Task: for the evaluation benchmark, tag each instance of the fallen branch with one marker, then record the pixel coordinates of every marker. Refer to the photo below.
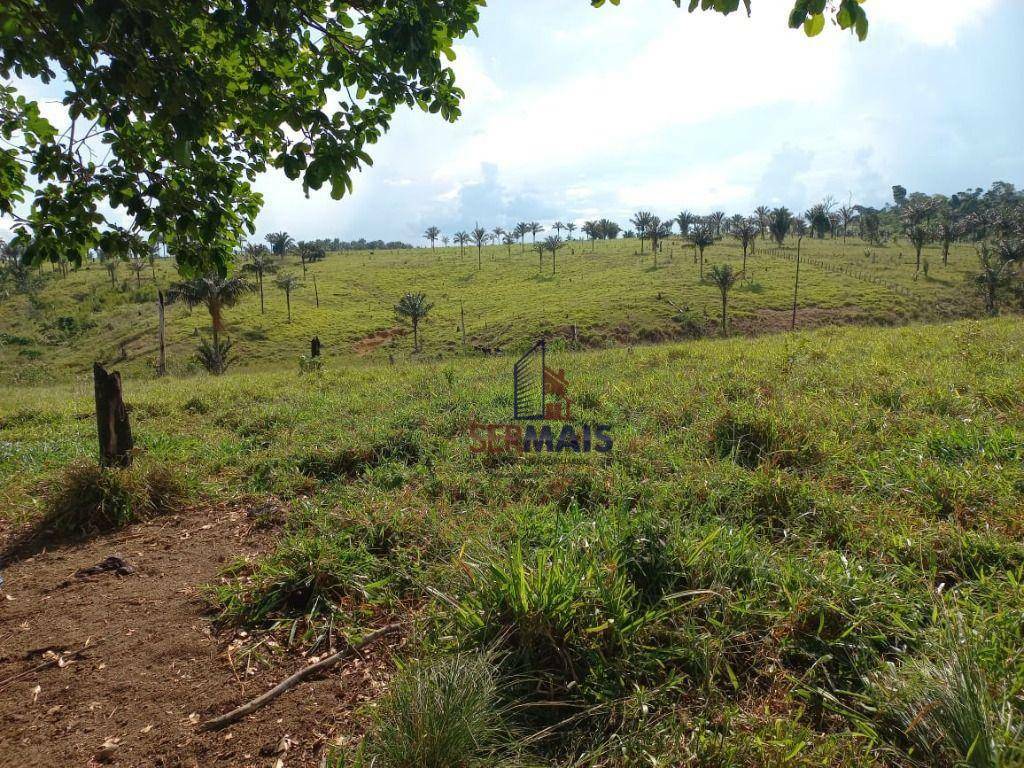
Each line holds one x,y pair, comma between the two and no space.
262,700
56,658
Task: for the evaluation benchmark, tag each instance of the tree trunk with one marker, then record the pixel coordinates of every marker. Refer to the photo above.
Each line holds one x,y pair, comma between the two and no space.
796,284
462,316
288,301
161,366
259,275
725,326
316,293
415,336
314,347
112,426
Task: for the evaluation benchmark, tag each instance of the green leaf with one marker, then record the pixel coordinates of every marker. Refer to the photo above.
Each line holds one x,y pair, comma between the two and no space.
814,25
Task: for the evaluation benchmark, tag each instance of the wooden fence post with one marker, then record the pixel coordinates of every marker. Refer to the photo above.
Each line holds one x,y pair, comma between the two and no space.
161,366
112,426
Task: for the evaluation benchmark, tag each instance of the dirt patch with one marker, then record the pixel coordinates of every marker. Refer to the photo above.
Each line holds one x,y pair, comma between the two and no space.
775,320
147,663
378,339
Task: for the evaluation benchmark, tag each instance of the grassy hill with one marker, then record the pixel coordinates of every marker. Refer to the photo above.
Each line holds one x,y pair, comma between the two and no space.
799,544
598,296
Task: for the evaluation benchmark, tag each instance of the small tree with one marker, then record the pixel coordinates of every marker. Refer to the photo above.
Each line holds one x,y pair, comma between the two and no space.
535,229
509,240
745,233
641,221
138,266
551,245
287,283
414,307
217,293
656,231
280,243
570,228
259,262
541,250
432,234
461,240
479,239
722,275
915,217
779,224
995,275
701,236
763,215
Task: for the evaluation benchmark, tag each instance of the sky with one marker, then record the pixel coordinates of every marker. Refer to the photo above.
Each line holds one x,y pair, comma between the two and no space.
575,113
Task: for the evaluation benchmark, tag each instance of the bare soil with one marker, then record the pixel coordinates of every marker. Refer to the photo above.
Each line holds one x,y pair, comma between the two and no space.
378,339
88,659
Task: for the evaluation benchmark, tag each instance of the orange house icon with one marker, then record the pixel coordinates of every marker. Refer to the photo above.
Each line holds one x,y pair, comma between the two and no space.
556,385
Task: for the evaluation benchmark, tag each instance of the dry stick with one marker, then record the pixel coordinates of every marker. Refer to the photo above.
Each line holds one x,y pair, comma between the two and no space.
48,663
238,713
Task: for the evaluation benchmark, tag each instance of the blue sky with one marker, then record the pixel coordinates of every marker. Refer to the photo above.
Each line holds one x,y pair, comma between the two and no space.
574,113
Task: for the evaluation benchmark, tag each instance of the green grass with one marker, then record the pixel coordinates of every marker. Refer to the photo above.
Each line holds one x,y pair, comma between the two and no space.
600,295
761,573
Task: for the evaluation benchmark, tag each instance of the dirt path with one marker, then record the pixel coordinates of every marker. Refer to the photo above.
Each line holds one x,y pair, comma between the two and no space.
150,663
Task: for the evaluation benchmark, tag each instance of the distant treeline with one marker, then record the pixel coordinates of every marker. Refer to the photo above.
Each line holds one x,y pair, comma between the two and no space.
337,244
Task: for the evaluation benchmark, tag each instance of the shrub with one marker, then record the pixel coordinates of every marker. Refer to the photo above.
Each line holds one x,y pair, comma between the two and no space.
566,618
441,713
215,357
309,364
88,498
306,579
943,710
752,439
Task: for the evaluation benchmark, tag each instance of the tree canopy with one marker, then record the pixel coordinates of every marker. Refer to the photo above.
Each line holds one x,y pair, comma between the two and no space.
176,106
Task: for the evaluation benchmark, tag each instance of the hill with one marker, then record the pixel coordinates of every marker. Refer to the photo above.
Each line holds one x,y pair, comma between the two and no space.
781,561
600,294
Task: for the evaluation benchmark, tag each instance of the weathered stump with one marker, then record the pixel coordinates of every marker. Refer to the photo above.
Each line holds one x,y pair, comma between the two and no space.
112,426
314,347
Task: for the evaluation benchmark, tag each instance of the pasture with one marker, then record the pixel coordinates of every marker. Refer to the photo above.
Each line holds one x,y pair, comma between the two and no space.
600,294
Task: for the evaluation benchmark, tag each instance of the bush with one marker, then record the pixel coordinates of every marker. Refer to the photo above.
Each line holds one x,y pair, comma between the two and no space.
89,498
943,711
215,358
441,713
306,579
753,439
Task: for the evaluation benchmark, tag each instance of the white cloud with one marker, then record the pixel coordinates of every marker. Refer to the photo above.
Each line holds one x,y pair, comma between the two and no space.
930,22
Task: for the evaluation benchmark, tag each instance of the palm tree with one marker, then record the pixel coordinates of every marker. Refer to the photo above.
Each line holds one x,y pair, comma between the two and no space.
947,232
589,229
656,230
445,240
497,234
217,293
685,220
479,239
308,253
763,215
535,229
915,218
461,240
259,262
570,227
702,236
745,233
994,275
558,227
846,214
817,218
779,223
552,244
509,240
280,243
415,307
520,232
432,234
723,277
287,283
716,220
642,221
